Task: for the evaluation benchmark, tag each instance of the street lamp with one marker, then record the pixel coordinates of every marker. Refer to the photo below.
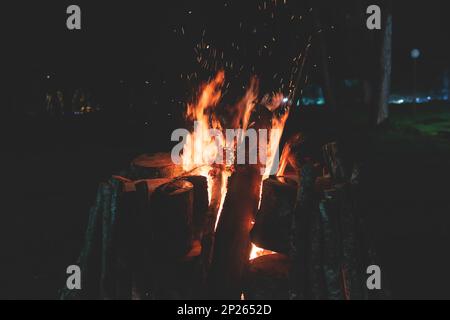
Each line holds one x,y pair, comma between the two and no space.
415,55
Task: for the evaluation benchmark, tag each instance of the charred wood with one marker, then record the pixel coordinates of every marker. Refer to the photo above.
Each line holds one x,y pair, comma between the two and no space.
232,244
274,218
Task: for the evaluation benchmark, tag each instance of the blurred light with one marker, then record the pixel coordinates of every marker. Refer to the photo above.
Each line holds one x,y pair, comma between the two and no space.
415,53
285,100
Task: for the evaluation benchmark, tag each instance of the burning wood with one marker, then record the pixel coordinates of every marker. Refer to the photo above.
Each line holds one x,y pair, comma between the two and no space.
193,227
274,218
233,245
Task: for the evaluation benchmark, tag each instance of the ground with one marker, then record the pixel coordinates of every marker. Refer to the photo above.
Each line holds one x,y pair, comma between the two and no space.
409,208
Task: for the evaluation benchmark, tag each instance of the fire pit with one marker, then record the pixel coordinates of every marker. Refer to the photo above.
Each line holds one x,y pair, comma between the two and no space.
185,225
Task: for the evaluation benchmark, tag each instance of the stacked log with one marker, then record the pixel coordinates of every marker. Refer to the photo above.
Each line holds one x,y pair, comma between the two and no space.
232,244
209,226
274,218
300,241
334,162
156,239
267,278
200,205
171,212
159,165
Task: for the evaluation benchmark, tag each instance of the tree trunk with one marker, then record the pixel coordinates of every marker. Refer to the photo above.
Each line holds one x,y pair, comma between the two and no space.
330,98
380,104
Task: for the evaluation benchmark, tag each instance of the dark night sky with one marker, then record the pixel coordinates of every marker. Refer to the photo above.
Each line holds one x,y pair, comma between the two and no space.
143,40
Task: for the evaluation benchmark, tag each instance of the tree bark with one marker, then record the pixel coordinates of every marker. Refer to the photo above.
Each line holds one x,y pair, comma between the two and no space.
382,78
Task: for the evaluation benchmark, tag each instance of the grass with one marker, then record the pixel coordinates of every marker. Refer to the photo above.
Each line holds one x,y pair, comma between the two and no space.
430,123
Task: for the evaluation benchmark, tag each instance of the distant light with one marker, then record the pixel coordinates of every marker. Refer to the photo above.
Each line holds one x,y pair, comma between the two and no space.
398,101
415,53
285,100
48,76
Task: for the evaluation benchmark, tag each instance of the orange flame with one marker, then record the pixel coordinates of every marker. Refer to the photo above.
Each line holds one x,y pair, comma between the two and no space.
284,160
201,150
276,131
286,155
278,123
259,252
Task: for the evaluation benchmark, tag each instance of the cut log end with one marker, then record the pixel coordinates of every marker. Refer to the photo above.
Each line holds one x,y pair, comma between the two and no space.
155,166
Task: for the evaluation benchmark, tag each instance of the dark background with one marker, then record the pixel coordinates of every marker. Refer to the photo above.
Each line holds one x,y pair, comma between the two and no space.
51,167
130,43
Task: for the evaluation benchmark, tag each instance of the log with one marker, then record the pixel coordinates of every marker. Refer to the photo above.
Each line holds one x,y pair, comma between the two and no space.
332,248
159,165
334,162
172,208
274,218
267,278
90,256
317,289
142,235
209,227
201,204
300,238
232,244
162,236
354,250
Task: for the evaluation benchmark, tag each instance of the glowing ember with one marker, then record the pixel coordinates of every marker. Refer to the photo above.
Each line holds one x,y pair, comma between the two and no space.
259,252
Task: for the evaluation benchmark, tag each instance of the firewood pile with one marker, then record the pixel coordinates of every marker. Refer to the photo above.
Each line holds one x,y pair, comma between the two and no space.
152,233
